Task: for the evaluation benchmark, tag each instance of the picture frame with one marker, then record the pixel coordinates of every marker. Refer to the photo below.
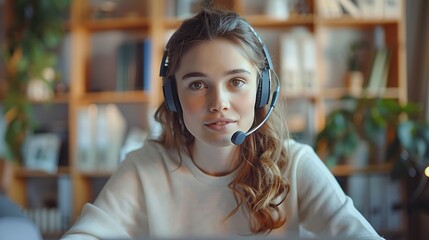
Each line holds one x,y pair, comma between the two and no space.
41,152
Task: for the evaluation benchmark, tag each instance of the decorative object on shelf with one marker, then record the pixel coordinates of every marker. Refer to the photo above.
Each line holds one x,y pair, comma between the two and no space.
277,9
300,7
42,90
105,9
41,152
361,119
187,8
34,29
101,131
355,75
298,61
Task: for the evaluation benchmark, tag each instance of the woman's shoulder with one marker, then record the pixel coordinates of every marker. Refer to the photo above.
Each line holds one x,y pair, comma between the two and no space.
150,148
151,153
294,148
301,156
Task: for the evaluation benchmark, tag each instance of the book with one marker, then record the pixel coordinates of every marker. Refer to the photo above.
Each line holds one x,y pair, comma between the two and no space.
86,155
64,201
289,64
100,135
392,8
121,67
351,8
377,80
334,8
134,65
111,127
147,64
371,8
126,66
308,60
298,61
329,8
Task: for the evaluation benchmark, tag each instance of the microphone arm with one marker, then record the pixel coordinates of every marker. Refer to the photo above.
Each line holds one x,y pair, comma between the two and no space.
239,136
273,103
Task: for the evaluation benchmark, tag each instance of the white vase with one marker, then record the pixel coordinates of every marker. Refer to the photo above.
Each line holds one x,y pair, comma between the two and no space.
277,9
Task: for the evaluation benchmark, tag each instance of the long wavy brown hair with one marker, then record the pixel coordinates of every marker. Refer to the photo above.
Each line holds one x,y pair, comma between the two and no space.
260,186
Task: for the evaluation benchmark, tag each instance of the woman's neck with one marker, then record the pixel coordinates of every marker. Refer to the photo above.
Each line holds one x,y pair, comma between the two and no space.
215,161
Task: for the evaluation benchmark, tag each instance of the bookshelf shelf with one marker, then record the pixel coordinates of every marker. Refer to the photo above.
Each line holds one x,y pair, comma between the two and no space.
117,24
260,21
336,93
355,22
347,170
22,172
116,97
57,99
172,23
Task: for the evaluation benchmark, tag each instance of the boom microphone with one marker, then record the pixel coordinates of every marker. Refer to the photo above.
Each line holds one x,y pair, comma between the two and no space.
239,136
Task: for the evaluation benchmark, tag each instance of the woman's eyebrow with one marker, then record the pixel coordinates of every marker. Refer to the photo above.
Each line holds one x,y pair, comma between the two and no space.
193,74
237,71
227,73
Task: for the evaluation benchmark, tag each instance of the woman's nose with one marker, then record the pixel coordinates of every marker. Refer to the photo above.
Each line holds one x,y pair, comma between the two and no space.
218,100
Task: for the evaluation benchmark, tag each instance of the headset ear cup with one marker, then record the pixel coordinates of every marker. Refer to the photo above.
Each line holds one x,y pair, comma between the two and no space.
170,95
263,94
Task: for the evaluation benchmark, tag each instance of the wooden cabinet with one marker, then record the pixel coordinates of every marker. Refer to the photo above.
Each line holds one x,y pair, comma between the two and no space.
96,31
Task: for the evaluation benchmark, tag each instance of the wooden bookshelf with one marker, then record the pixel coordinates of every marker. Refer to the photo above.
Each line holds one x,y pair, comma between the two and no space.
154,24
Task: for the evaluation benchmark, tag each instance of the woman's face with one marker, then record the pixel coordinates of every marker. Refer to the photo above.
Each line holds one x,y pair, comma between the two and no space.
217,86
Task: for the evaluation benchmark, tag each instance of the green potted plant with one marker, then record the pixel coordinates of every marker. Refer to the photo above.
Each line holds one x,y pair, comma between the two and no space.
339,138
369,120
33,30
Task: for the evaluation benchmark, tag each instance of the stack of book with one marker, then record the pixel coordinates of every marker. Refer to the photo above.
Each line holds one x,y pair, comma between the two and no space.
360,8
133,66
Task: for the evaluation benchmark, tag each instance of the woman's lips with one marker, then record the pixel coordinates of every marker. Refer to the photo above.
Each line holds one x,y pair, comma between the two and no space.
220,124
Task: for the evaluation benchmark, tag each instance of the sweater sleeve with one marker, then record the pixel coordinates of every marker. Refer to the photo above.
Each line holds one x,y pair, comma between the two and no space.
117,211
324,209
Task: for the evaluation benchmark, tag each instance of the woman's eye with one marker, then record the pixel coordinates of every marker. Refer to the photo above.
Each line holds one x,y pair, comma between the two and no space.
196,85
237,82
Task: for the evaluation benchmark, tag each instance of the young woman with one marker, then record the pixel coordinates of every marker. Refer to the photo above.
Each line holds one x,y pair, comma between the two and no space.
223,166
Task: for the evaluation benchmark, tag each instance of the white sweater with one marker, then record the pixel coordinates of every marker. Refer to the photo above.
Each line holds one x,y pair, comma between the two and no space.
151,196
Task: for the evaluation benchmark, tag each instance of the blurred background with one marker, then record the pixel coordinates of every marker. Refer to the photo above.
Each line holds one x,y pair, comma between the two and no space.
79,86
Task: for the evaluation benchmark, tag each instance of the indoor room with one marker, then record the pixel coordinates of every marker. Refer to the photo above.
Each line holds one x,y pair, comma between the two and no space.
82,82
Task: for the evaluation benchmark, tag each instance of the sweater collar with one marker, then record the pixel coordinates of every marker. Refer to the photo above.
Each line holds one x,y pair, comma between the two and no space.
206,178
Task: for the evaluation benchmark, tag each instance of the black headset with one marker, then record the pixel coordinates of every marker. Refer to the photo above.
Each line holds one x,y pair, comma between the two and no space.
169,88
